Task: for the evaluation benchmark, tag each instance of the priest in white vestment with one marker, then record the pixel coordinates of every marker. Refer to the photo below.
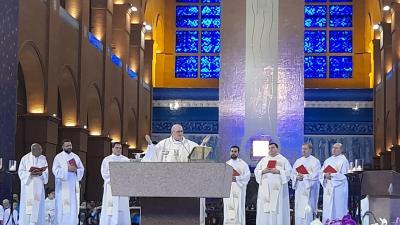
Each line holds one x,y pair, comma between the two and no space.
34,174
234,206
176,148
272,174
115,209
305,180
334,182
68,171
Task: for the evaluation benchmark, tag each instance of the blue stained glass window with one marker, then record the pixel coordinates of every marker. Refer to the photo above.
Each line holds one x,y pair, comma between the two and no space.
116,60
315,67
314,41
341,0
340,66
95,42
341,41
341,16
187,0
210,67
210,16
315,0
315,16
187,16
186,66
210,1
187,41
210,41
131,73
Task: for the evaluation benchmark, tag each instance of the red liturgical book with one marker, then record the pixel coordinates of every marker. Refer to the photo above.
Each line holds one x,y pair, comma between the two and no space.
72,162
329,169
235,173
37,169
302,170
271,164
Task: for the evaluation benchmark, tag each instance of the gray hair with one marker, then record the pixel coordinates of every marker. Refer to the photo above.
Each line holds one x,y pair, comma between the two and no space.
339,144
173,128
35,145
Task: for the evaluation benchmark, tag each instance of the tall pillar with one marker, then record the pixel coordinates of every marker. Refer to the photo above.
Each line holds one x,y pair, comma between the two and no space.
43,129
99,147
395,150
265,67
379,110
145,101
8,85
136,62
386,74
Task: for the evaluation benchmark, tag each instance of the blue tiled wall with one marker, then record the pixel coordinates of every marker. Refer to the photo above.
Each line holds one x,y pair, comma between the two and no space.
323,126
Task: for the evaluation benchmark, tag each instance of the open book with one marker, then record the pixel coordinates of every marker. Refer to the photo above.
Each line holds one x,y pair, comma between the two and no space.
199,153
37,169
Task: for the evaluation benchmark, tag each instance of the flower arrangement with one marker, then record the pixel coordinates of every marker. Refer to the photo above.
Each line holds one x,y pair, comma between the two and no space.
346,220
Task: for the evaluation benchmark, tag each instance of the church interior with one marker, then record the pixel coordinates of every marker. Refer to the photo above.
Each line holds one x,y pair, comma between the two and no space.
291,72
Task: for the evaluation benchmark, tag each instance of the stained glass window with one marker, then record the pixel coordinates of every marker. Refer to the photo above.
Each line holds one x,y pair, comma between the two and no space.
340,66
187,41
187,16
328,39
198,39
210,41
211,1
314,41
210,16
186,66
315,16
340,16
341,41
315,66
209,67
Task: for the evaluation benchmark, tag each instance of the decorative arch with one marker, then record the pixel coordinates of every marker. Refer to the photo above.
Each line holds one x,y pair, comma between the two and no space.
68,97
115,120
33,72
94,110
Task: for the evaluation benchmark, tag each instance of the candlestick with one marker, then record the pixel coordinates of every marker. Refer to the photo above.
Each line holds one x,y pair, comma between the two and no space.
12,165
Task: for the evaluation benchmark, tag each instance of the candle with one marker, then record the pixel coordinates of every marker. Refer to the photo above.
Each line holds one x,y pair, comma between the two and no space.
12,165
359,168
1,163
